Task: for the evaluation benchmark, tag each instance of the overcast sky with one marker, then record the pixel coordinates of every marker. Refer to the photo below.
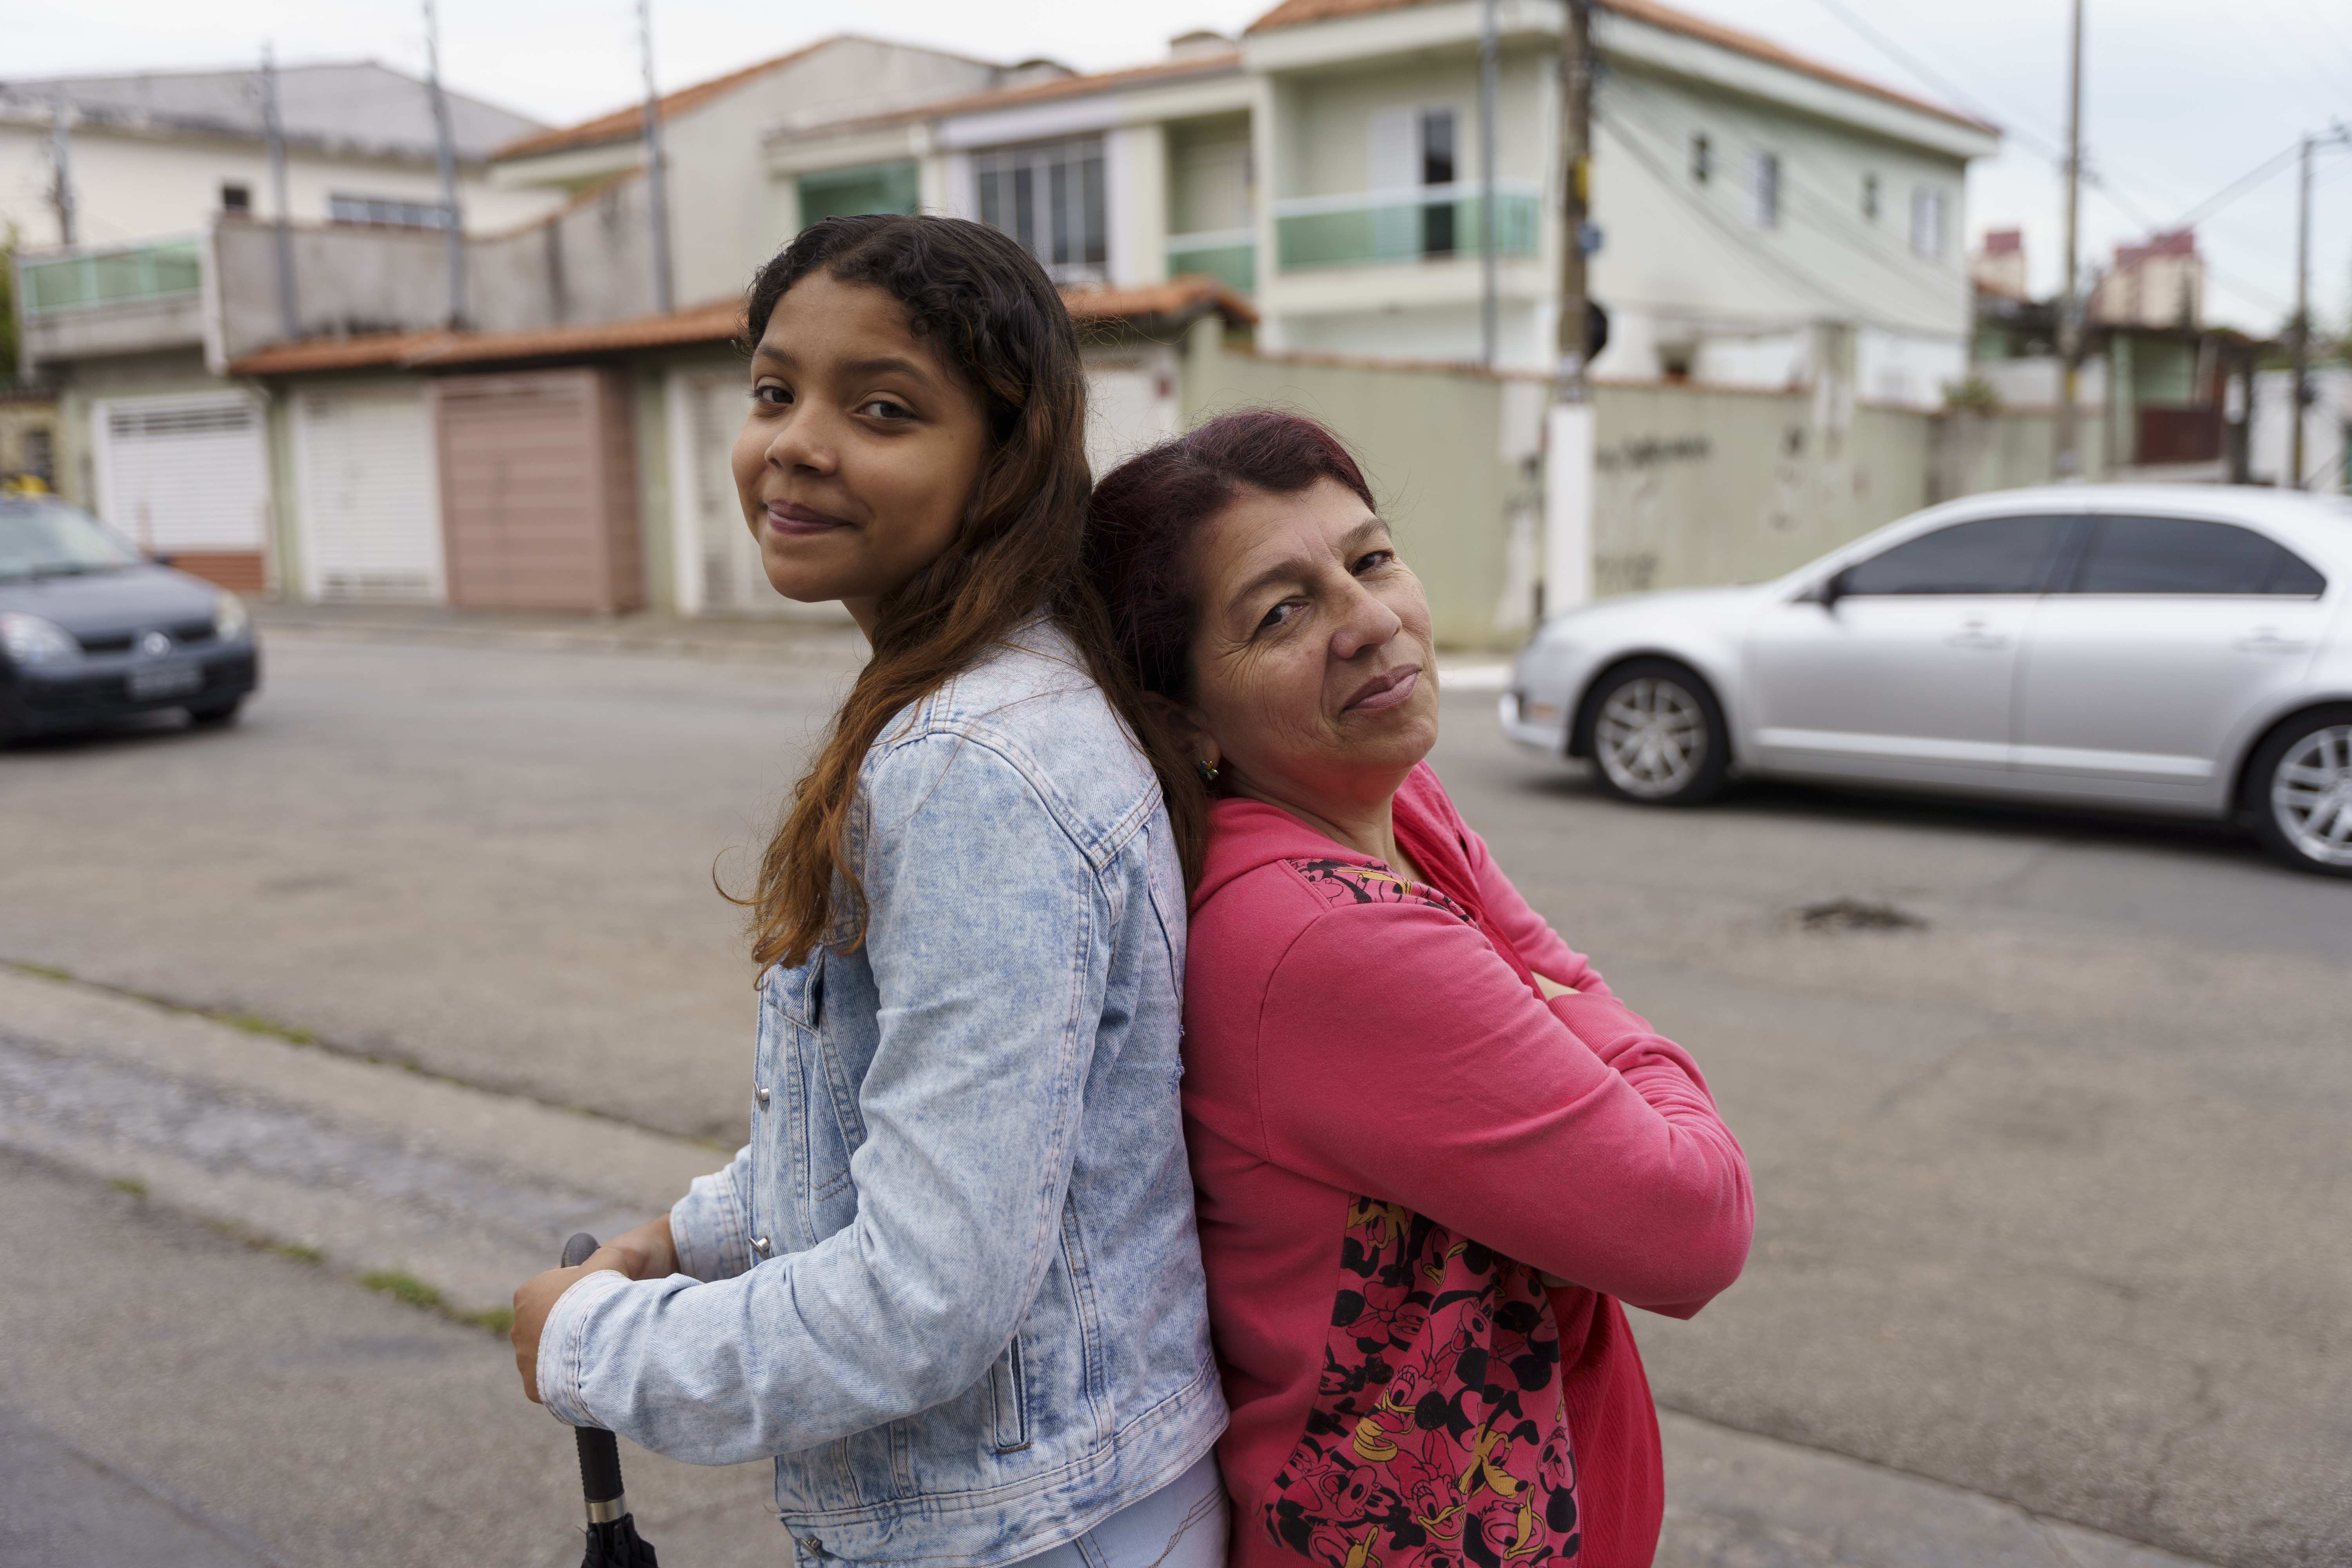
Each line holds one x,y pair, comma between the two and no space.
2182,96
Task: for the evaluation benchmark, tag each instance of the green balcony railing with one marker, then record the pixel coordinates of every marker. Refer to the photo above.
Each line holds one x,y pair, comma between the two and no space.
1230,255
158,270
1387,227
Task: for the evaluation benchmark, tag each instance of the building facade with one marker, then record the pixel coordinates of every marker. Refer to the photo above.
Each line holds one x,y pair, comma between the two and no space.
1329,164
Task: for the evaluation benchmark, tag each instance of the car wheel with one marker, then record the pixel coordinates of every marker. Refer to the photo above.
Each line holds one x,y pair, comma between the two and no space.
2300,789
215,713
1656,735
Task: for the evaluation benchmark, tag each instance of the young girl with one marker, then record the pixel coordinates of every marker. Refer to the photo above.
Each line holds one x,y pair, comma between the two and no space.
951,1284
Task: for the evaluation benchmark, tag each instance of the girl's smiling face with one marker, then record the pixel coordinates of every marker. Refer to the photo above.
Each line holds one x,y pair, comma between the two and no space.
861,449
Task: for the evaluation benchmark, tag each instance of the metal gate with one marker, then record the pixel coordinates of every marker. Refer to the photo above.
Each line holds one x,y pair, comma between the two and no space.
370,497
187,477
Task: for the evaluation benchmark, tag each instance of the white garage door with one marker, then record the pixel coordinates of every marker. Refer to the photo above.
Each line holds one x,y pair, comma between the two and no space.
183,474
370,494
717,561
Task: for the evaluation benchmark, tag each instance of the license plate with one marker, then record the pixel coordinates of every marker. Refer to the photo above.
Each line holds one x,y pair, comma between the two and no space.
169,682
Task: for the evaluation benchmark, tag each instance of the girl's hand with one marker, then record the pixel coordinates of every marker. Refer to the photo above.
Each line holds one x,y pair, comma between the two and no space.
649,1252
1544,983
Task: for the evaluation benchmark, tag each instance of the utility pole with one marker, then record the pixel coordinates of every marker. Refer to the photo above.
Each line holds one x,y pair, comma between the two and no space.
1568,432
455,231
289,317
2068,436
1489,302
656,176
61,193
2301,400
2339,134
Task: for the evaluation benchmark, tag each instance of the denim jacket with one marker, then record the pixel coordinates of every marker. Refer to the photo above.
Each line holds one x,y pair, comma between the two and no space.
952,1282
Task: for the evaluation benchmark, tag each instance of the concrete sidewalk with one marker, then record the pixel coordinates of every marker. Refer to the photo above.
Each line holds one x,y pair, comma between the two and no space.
123,1120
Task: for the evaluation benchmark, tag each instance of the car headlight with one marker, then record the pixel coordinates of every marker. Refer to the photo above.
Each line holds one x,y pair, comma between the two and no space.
29,639
229,618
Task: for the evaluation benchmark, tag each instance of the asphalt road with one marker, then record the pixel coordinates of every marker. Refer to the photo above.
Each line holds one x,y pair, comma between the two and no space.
2052,1182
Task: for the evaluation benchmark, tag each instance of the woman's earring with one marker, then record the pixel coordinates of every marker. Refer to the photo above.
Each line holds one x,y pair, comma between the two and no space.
1208,772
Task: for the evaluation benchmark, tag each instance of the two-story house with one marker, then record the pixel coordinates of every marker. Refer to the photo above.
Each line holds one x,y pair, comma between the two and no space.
1329,164
113,325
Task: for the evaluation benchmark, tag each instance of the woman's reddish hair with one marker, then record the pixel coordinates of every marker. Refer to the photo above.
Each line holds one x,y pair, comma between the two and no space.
1147,514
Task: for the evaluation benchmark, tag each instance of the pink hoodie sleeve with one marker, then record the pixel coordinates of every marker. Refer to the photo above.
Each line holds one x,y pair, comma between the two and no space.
1401,1058
1528,932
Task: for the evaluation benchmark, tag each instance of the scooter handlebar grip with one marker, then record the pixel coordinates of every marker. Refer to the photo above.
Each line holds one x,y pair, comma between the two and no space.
600,1454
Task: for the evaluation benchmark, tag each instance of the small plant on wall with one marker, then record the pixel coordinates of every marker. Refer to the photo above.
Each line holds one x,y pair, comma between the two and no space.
1974,395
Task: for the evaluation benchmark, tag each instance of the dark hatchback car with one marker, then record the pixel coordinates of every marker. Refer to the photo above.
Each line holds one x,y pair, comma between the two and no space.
90,632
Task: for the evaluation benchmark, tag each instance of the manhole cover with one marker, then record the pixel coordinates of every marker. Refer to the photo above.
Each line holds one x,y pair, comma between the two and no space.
1857,914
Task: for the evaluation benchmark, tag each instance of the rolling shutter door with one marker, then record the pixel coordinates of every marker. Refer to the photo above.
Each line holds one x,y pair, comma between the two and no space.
539,500
371,502
188,478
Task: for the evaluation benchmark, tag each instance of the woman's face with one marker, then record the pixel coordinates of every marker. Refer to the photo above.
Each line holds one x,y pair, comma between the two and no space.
1314,677
861,449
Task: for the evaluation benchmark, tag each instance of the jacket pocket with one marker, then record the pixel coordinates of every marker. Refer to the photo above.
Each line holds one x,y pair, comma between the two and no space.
1011,1395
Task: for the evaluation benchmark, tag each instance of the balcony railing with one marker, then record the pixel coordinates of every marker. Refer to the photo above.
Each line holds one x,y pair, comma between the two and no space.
1385,227
159,270
1228,254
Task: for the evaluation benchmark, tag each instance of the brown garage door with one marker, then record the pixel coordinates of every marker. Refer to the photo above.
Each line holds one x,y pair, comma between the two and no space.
538,490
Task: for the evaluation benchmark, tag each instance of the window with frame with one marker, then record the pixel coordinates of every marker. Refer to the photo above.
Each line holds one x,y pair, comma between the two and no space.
1764,189
2188,556
1927,222
893,187
1988,556
387,212
236,198
1437,168
1050,196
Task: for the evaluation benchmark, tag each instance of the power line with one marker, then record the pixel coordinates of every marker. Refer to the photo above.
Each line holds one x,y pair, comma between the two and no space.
1911,63
1833,293
2240,185
2094,179
1872,240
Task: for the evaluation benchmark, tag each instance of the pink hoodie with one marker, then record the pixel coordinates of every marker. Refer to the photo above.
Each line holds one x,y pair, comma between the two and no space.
1395,1140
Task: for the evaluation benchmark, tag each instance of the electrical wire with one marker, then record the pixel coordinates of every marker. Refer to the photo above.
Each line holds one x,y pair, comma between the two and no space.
1833,293
1829,212
2092,179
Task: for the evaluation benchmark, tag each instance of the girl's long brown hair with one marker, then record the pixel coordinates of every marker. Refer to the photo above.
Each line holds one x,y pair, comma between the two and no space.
985,308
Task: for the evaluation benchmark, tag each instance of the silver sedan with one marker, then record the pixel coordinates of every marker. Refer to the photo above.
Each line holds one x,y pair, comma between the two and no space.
2175,649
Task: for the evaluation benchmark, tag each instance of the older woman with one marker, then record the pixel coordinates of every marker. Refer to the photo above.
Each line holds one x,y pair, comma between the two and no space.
1433,1151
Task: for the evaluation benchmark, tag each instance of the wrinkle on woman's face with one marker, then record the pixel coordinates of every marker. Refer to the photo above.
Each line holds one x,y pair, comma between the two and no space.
1313,671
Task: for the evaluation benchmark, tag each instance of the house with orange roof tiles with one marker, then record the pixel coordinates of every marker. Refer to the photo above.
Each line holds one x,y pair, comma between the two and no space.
1756,213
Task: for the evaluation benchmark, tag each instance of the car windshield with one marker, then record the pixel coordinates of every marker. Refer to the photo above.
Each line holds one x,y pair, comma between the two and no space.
50,539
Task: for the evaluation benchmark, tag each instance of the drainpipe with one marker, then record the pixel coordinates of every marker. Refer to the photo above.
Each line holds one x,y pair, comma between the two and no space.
446,147
289,317
61,151
656,177
1489,304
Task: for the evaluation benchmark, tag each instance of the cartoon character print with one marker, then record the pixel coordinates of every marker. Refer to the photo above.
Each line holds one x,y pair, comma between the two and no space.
1438,1438
1346,882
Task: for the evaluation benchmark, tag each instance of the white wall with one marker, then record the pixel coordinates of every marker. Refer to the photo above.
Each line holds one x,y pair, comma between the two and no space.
2325,425
722,214
1681,269
131,187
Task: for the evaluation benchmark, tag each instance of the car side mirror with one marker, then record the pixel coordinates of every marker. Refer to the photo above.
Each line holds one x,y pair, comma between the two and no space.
1828,591
162,557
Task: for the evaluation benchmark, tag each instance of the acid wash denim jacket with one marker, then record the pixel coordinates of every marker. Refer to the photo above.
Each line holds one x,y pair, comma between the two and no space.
952,1282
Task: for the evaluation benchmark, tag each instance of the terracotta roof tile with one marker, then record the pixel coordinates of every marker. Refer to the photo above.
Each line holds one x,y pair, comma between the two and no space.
437,350
1298,13
628,125
1179,299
